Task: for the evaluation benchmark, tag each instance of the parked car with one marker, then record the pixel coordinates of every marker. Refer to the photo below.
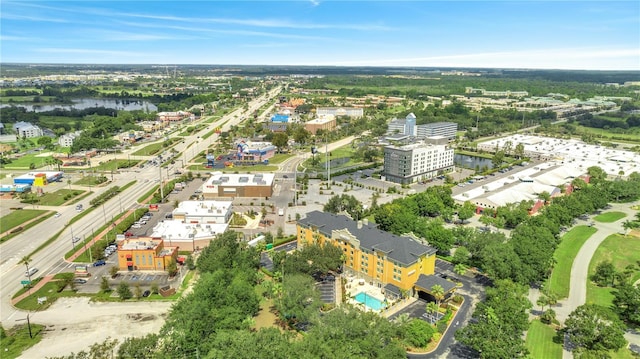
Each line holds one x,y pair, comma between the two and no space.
99,263
146,293
79,281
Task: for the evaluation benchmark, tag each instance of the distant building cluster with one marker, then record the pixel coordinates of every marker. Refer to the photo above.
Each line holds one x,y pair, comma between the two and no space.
407,126
507,93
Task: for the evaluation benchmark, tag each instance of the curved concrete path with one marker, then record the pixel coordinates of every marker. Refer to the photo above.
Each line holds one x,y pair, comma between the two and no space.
580,268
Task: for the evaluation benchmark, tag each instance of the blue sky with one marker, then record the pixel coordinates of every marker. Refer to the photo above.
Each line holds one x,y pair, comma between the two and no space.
523,34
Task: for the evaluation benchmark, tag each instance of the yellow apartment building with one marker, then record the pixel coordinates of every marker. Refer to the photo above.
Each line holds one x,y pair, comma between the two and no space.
385,260
145,253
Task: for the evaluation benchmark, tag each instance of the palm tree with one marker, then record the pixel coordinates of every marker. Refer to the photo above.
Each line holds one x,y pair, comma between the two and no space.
460,269
438,293
432,308
403,319
26,260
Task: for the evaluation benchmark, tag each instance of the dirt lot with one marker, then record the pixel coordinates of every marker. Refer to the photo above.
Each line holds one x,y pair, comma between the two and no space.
73,324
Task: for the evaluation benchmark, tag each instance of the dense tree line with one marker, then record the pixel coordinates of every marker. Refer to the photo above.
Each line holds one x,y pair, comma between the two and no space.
418,214
499,322
214,320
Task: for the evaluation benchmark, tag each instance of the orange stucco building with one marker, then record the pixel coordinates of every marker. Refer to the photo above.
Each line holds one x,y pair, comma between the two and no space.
145,253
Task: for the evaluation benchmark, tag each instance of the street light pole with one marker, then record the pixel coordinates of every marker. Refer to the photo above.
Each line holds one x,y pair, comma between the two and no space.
73,240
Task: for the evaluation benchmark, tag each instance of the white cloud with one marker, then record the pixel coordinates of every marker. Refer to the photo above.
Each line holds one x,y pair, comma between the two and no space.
87,51
568,58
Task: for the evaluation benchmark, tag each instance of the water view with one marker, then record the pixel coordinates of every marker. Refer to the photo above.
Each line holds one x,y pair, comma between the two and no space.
472,162
84,103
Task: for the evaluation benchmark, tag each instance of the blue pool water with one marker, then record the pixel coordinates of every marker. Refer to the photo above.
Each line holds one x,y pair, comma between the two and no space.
369,301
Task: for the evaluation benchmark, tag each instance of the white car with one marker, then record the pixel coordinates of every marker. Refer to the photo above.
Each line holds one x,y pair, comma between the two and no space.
137,225
57,215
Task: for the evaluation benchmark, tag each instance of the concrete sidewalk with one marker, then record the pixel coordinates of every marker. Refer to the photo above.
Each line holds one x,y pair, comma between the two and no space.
46,279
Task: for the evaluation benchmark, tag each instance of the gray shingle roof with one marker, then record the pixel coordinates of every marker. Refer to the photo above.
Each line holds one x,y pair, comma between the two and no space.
428,281
399,249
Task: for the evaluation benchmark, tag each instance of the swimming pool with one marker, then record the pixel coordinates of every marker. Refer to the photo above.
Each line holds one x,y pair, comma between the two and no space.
369,301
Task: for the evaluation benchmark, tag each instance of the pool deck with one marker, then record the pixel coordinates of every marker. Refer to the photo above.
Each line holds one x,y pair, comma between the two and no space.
353,287
356,285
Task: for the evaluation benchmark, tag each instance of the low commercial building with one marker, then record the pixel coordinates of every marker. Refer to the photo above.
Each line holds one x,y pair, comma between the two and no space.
217,212
617,163
232,185
417,161
255,151
38,178
340,111
326,123
145,253
188,236
175,116
385,260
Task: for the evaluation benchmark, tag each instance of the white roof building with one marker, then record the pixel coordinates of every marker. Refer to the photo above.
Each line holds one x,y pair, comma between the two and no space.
571,152
187,236
218,212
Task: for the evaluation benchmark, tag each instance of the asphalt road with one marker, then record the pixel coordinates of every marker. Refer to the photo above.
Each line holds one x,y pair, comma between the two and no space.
51,259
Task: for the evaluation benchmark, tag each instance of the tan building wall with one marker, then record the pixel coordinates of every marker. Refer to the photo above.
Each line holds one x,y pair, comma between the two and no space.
314,127
240,191
372,265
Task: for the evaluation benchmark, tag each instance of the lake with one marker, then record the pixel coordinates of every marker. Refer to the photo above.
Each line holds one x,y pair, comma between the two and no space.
84,103
472,162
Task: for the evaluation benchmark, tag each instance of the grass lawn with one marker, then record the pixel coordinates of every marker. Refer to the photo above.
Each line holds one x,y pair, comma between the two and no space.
18,340
279,158
609,217
114,165
540,341
154,148
89,181
16,218
57,198
621,251
623,353
572,241
26,161
49,290
630,135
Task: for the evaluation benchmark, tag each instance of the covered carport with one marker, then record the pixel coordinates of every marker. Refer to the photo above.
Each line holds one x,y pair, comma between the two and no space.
425,283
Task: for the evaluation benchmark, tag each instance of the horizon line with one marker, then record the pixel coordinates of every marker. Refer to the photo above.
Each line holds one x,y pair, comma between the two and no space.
320,66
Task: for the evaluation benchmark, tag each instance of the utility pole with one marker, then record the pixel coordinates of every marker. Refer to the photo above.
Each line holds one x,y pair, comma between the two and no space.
161,185
28,325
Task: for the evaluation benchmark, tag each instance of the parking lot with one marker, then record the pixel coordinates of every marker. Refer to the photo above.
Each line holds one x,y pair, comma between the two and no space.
327,289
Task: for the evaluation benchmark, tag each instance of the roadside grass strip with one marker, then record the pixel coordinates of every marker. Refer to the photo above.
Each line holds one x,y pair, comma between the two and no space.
565,254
